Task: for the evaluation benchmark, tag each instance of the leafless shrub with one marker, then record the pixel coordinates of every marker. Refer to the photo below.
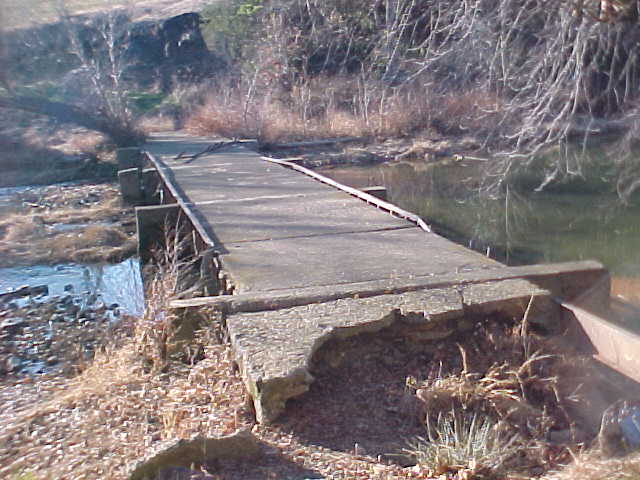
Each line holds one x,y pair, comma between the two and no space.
170,272
522,75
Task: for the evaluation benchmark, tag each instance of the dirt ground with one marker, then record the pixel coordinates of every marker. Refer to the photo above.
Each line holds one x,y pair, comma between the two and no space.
19,14
357,421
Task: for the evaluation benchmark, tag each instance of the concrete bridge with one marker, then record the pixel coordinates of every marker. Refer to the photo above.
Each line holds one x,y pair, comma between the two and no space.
293,260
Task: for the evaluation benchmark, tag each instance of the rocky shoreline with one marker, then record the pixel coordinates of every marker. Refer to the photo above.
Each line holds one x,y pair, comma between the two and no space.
52,329
53,334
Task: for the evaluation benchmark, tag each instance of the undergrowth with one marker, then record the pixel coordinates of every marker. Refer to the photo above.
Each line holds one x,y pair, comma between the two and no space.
327,107
493,411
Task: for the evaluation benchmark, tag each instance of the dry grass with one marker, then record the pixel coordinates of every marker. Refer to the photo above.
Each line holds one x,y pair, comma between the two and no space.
594,466
324,107
95,425
463,442
34,237
115,411
527,389
119,410
156,123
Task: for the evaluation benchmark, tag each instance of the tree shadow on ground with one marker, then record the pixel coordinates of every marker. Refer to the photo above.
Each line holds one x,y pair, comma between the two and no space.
25,163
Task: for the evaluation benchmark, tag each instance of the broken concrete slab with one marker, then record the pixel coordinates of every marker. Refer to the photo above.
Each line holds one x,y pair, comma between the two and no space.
511,297
275,349
558,278
242,445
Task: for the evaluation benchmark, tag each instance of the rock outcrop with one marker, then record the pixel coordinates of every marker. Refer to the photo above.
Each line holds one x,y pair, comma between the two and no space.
145,50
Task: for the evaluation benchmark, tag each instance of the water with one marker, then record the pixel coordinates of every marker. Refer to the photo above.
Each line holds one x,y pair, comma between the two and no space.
119,283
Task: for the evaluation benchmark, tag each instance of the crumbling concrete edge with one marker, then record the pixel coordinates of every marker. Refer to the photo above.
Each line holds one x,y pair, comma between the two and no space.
270,395
565,280
285,371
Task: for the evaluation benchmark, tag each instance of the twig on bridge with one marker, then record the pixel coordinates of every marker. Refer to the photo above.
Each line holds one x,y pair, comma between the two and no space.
211,148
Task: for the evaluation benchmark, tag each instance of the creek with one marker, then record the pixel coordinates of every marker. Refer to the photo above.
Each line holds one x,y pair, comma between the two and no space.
118,283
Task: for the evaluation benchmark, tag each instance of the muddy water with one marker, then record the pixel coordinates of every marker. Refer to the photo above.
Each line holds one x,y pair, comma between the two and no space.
515,227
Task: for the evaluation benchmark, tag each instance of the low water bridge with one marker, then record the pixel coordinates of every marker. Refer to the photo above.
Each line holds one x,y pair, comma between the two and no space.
294,259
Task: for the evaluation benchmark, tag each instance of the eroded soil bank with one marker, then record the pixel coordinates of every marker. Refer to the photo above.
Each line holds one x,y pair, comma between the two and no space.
360,419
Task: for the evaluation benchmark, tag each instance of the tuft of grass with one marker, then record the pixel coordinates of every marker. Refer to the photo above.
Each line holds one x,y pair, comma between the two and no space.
34,238
461,441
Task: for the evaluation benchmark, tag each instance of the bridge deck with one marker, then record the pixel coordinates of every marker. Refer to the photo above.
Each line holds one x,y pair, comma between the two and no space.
279,229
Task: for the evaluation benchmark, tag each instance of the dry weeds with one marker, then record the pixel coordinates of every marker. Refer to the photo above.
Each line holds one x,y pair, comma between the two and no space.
95,425
75,223
354,417
593,466
324,107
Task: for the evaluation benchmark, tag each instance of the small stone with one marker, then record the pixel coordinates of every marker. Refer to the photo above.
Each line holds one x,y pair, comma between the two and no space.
39,290
113,306
100,308
182,453
12,324
13,363
52,360
68,287
66,300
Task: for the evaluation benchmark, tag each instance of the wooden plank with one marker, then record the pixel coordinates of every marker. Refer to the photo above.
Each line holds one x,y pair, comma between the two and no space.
370,199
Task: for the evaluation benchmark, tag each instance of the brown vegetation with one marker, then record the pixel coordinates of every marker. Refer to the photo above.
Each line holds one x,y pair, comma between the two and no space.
327,107
79,224
360,419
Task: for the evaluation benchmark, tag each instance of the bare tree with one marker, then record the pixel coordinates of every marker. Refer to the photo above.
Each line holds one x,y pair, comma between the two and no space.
101,104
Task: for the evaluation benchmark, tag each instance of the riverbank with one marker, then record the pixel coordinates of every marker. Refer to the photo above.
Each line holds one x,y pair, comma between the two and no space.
83,222
60,318
372,400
